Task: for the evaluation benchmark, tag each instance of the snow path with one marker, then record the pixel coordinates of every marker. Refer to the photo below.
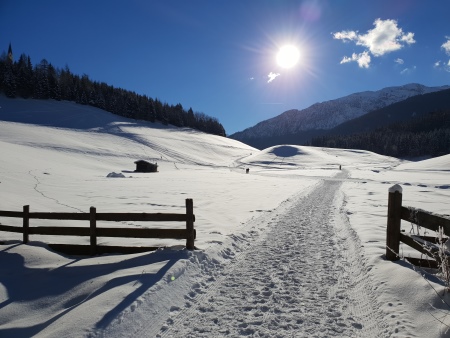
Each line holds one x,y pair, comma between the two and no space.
301,278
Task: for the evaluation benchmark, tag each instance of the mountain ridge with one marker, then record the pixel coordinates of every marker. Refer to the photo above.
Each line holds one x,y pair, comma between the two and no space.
411,107
315,119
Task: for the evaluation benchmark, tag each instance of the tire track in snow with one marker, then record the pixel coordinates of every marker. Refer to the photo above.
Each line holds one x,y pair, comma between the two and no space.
301,280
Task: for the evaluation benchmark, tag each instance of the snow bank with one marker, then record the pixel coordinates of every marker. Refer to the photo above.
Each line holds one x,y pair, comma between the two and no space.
113,174
441,163
46,294
396,188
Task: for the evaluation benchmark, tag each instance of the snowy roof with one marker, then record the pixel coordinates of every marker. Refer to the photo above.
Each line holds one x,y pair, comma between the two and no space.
146,162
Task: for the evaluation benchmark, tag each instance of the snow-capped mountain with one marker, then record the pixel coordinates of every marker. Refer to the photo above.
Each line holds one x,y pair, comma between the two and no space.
328,114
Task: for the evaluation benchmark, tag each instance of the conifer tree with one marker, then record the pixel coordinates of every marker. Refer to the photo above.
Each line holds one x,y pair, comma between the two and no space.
45,81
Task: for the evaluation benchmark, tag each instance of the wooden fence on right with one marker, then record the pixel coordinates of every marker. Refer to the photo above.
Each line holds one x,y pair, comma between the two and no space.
427,245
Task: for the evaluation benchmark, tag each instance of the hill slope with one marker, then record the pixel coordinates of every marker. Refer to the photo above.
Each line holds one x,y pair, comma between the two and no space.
397,112
295,126
249,228
132,139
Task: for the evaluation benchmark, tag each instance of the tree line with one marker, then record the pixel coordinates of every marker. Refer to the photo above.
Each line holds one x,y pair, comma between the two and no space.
43,81
426,135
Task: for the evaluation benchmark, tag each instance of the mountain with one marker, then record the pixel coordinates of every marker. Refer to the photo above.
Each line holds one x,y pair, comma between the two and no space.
414,106
422,136
297,126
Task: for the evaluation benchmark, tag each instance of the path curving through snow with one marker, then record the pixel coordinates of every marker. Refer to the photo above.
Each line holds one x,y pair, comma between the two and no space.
302,278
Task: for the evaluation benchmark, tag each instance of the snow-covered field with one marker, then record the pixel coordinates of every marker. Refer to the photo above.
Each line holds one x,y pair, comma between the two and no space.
295,248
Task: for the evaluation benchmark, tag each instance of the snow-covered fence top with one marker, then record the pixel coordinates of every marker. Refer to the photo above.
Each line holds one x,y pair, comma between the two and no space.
93,231
424,244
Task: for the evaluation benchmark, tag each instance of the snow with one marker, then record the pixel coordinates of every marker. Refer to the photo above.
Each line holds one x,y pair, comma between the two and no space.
115,175
329,114
294,248
396,188
441,163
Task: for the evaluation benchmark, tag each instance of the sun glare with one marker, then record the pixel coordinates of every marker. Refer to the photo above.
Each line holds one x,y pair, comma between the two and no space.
288,56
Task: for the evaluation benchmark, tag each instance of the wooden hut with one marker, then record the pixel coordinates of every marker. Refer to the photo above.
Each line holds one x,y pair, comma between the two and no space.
146,167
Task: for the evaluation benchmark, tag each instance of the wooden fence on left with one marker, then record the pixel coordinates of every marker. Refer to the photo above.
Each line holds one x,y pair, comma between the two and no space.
94,232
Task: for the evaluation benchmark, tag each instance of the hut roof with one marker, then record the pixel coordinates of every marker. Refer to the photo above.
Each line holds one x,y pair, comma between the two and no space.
142,162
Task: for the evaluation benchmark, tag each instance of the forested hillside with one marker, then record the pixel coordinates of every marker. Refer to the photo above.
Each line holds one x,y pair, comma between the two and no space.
300,126
426,135
43,81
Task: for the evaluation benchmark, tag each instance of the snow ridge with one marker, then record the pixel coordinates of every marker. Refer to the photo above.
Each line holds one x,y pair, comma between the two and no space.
329,114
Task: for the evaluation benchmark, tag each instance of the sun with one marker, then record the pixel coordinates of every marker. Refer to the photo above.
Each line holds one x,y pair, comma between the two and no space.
288,56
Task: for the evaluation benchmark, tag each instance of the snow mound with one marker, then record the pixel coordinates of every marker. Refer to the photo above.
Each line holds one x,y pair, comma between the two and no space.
302,157
396,188
292,155
441,163
286,151
113,174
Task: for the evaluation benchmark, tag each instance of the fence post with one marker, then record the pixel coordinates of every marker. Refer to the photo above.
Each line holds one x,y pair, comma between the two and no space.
393,222
26,222
190,224
93,227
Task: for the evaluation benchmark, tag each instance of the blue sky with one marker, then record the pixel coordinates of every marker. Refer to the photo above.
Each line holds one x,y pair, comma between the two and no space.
219,57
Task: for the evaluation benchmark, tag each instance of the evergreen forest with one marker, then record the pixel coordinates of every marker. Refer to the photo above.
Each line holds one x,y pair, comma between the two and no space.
425,135
43,81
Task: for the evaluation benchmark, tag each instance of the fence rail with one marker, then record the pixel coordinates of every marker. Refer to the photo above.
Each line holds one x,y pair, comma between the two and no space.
115,217
94,232
427,245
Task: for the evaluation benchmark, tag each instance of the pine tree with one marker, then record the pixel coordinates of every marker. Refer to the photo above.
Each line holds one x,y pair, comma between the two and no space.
151,114
41,84
45,81
9,80
190,118
25,77
54,90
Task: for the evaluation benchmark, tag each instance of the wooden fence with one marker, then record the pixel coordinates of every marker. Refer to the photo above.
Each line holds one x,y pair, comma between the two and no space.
94,232
427,245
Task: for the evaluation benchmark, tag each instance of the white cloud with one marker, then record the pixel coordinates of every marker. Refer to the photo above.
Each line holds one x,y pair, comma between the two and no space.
346,35
385,38
408,70
446,45
442,65
399,61
363,59
408,38
272,76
